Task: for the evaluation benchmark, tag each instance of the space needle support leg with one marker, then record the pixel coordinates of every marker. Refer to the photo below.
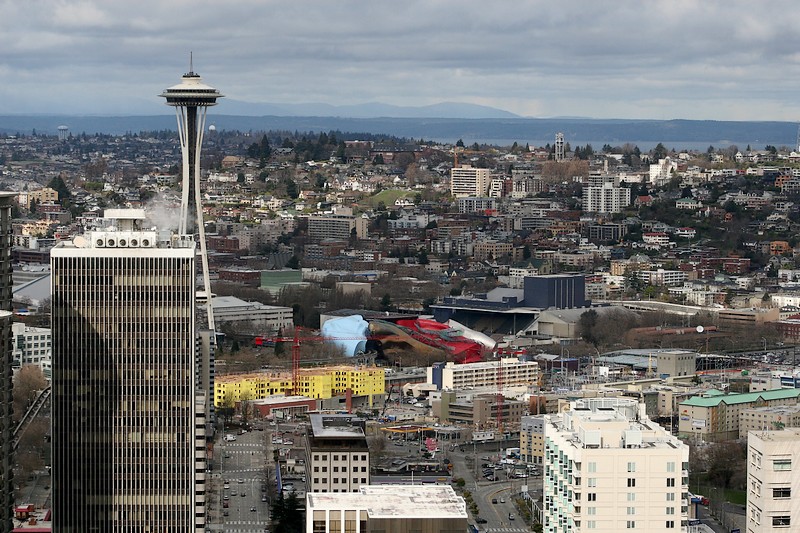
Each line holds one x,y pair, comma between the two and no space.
180,112
201,228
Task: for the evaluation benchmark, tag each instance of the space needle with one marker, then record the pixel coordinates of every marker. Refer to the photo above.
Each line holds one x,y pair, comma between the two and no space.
191,98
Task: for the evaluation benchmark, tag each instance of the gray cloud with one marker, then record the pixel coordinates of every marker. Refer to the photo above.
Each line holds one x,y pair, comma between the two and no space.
656,59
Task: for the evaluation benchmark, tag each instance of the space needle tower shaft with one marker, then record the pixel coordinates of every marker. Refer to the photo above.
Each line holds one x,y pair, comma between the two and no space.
191,99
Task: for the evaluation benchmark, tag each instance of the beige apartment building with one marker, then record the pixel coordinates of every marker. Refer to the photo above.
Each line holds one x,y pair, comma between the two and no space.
715,416
772,481
484,374
769,419
337,454
531,439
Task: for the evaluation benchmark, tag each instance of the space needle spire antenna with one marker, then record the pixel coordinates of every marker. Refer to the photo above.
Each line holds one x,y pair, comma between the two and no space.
191,98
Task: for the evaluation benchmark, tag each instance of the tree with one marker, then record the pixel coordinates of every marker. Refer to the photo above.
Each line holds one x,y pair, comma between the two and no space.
460,143
291,189
386,302
293,263
226,409
28,382
286,515
58,185
659,152
586,326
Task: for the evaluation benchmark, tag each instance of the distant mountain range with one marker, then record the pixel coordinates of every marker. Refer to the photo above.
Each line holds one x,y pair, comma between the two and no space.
368,110
678,134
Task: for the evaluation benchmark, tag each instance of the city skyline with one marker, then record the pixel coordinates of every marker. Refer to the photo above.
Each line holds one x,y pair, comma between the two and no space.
711,60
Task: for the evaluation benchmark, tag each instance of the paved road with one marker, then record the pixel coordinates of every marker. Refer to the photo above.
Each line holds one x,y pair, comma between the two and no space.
242,463
496,514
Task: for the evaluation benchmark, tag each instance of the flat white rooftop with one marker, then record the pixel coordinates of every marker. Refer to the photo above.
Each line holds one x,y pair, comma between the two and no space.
394,501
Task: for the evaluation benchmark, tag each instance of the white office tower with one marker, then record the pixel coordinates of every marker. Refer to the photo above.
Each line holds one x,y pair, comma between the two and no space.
608,468
772,483
128,422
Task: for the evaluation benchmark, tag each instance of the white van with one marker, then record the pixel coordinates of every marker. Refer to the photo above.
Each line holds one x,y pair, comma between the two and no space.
229,437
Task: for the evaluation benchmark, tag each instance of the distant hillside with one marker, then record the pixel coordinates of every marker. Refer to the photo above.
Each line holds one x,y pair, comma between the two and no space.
673,133
368,110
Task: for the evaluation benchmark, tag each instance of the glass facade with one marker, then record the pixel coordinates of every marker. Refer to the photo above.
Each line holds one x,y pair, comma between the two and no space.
6,399
124,411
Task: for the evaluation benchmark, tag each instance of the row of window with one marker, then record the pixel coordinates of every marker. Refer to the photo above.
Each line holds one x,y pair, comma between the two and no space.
336,481
629,511
592,497
353,457
629,524
336,469
592,466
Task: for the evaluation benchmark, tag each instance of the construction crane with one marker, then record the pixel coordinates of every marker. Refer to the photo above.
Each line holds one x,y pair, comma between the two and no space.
296,341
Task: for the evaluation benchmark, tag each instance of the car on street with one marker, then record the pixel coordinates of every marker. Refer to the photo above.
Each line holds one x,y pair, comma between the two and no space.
502,500
494,500
511,516
234,493
225,512
480,520
226,486
243,494
264,498
240,480
252,509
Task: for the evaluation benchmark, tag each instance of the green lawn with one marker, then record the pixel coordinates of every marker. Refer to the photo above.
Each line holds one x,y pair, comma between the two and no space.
388,197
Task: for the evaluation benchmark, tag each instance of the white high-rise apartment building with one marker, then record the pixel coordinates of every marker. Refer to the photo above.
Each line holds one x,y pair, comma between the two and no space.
128,424
772,480
661,172
604,195
466,180
608,468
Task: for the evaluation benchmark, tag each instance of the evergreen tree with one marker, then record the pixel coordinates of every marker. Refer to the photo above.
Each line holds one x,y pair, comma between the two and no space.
286,515
58,185
291,189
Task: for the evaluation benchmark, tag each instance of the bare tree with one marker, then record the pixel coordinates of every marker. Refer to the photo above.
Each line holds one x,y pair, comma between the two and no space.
27,384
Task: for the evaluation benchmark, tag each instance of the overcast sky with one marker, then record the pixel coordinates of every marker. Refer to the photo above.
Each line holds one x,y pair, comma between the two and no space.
660,59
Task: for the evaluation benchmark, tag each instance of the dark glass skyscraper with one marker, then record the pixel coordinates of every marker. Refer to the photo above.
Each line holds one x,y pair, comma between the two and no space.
128,445
6,403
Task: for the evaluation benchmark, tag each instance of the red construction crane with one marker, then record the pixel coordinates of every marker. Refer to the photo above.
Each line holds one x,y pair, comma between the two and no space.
295,340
